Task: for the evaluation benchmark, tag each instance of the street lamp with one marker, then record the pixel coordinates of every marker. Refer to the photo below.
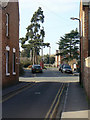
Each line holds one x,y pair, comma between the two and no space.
73,18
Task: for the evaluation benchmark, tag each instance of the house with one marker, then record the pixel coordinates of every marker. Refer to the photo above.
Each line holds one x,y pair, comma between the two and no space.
85,44
57,58
9,43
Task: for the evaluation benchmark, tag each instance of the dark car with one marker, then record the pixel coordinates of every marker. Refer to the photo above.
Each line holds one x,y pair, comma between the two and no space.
36,69
67,69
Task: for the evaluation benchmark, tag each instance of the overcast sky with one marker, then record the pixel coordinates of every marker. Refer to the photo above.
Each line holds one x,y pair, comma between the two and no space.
57,18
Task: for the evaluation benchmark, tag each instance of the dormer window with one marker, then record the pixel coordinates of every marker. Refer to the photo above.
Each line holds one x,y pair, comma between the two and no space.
7,25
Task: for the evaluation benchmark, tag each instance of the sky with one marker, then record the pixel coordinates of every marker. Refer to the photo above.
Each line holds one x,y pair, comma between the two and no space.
57,20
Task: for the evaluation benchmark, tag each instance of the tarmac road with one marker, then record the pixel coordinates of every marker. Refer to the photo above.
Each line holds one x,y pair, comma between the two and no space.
35,102
39,100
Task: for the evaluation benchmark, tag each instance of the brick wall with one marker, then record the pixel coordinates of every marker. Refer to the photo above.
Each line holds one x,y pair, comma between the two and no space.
12,41
85,68
0,62
0,47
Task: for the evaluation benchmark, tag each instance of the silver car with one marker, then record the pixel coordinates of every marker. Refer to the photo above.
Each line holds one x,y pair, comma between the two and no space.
67,69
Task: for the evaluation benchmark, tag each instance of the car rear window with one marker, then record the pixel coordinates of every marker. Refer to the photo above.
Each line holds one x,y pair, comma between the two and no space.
37,67
67,67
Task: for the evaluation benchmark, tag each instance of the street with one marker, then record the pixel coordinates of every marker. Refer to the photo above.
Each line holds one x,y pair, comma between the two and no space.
40,99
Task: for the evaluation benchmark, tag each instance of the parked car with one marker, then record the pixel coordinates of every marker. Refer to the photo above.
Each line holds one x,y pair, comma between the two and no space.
36,69
66,69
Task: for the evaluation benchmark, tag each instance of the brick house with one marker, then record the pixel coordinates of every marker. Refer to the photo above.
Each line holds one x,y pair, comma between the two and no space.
57,58
85,44
9,43
58,61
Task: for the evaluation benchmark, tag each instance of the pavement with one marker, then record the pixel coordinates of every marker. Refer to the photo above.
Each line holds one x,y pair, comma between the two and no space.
75,105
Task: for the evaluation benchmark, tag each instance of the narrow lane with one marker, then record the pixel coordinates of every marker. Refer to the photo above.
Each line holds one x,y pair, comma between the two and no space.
35,102
40,99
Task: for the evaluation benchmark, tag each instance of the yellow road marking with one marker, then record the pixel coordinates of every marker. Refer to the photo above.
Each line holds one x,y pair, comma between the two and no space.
57,103
19,91
47,115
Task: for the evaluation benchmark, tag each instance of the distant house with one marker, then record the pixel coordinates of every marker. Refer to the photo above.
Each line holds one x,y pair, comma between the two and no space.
9,43
58,58
85,44
58,61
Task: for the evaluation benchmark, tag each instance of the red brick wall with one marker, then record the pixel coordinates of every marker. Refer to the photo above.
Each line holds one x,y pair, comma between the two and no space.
0,48
85,71
12,41
86,28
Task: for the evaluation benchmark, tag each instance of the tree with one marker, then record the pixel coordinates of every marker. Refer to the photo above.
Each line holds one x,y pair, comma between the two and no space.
49,59
25,53
46,59
52,59
34,38
69,46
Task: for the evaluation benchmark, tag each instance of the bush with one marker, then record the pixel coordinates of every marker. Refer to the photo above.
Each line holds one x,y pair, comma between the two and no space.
21,70
25,62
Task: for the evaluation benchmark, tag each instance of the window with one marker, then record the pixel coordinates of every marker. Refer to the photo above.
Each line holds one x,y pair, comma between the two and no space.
7,60
7,63
14,62
7,25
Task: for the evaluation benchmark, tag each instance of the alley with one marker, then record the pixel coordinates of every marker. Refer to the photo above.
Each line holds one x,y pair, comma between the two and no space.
39,100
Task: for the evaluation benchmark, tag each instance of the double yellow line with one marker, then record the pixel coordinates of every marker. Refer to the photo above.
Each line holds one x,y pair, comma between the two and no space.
54,106
12,94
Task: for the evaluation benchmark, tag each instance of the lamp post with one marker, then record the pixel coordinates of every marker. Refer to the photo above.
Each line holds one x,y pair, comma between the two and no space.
73,18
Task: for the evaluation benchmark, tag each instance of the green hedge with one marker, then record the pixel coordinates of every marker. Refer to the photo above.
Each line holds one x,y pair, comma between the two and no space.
21,70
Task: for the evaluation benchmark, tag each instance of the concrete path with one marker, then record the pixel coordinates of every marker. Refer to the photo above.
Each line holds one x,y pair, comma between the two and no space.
76,103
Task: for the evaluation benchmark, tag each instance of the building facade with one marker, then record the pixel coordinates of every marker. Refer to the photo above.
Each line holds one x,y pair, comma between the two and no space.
9,43
58,58
85,44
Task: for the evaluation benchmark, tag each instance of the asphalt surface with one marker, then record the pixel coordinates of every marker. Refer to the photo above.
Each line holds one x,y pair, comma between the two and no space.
49,75
40,99
34,102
